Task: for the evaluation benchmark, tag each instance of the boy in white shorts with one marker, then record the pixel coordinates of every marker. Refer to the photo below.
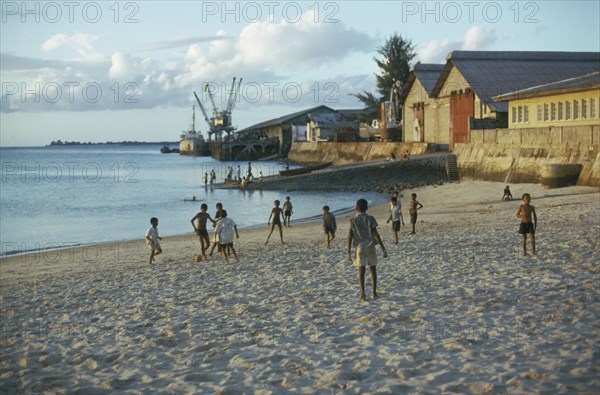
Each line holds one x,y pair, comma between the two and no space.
363,235
225,229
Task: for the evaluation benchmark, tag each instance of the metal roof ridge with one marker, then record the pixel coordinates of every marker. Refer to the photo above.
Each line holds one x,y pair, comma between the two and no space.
542,87
522,55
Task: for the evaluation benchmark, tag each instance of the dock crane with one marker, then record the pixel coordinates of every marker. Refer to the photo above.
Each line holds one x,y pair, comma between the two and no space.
391,113
233,95
203,111
212,100
221,120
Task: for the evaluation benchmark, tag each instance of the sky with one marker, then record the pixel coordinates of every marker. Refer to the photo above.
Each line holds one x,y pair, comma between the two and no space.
112,71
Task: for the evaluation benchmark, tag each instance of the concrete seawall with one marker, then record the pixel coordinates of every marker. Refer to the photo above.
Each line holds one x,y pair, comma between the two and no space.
513,164
345,153
518,155
511,156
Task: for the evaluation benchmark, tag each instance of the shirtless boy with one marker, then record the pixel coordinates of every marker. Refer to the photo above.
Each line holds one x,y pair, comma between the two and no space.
329,225
528,223
413,207
276,214
200,229
287,211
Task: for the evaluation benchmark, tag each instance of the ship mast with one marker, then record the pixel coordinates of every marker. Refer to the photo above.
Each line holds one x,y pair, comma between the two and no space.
194,119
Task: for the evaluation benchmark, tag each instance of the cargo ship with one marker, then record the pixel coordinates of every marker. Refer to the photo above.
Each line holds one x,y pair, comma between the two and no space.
192,142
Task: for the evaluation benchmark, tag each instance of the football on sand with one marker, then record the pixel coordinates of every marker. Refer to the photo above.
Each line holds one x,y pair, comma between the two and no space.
197,258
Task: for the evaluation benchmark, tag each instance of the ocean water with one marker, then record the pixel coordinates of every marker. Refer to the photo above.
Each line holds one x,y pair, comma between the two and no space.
52,197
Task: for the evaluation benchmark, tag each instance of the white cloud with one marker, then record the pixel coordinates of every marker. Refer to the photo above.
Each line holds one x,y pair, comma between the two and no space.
434,51
475,38
221,49
478,38
183,41
263,54
123,66
301,45
79,42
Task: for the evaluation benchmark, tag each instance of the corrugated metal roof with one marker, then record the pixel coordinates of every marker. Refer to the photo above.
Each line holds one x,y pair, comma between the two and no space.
352,113
426,73
491,74
347,113
331,120
588,80
283,119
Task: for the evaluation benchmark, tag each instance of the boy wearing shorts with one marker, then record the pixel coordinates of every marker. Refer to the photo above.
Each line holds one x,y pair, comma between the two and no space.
329,225
152,239
413,207
527,213
396,217
224,231
201,218
363,235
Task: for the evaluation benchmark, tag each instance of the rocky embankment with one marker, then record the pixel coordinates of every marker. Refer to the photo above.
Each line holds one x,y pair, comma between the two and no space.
376,176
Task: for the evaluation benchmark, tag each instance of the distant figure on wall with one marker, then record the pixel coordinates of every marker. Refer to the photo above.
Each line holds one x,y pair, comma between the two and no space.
507,195
417,131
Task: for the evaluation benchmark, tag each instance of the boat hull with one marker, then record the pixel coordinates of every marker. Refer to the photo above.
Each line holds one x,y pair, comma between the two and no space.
193,148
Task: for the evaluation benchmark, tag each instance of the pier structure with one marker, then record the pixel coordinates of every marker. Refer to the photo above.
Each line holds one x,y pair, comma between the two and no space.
234,150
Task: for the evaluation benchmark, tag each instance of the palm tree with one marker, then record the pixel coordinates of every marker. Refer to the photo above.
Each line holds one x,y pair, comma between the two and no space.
397,54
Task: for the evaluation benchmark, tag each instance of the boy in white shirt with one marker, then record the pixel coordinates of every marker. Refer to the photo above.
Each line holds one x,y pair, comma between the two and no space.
396,217
224,231
152,239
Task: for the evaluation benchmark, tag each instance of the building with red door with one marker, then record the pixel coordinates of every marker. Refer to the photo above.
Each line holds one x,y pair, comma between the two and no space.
462,97
420,111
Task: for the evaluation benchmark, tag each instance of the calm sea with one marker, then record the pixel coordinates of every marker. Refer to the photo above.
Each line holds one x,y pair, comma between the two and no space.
71,195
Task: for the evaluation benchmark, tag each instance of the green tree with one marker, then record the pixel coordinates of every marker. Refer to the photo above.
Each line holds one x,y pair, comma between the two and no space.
371,105
397,53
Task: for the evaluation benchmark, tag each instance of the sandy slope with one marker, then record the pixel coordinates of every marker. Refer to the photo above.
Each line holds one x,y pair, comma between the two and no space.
459,310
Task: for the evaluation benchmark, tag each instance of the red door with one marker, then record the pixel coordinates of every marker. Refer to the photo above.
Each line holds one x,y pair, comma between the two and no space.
462,107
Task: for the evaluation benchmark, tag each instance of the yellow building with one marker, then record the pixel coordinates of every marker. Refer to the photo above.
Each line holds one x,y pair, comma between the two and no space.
569,102
458,103
470,81
419,111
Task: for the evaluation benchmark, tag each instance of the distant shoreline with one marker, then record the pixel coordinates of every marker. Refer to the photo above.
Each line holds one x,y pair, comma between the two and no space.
59,143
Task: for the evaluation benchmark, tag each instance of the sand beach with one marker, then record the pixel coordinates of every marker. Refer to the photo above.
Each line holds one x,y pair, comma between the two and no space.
460,310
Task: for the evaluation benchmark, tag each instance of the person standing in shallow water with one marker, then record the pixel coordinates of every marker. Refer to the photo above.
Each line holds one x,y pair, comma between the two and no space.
363,236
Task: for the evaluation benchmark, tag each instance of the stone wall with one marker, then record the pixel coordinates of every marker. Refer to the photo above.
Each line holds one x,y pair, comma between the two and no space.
352,152
547,137
380,177
517,155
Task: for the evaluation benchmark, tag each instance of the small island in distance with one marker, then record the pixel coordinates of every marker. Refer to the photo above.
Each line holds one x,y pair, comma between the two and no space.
60,143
